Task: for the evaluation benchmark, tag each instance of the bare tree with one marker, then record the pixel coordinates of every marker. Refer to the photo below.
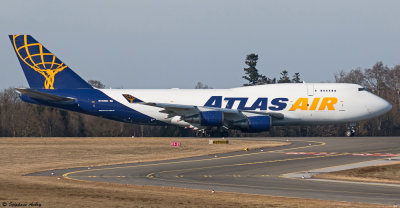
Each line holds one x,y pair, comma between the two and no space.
200,85
96,84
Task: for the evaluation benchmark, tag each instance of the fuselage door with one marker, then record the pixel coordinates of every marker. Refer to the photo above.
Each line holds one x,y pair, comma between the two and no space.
310,89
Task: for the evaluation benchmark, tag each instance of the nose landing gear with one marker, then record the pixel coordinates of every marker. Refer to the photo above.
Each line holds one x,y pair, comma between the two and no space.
351,130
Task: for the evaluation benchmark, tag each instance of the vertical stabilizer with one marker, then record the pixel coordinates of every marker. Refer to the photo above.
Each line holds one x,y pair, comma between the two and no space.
43,69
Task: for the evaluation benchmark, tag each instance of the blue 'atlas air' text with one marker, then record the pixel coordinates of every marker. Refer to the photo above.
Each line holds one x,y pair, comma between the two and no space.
276,104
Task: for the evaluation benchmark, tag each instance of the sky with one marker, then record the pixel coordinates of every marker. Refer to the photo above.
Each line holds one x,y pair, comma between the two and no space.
175,44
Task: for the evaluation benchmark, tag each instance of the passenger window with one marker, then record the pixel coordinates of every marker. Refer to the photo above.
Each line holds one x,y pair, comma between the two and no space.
362,89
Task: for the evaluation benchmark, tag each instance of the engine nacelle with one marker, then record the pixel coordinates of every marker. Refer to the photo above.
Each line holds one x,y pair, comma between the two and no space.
207,118
211,118
256,124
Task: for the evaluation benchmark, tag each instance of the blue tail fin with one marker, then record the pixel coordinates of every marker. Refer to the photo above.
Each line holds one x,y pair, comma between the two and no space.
43,69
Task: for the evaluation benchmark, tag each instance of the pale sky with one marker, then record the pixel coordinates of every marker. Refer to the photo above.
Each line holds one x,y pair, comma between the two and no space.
167,44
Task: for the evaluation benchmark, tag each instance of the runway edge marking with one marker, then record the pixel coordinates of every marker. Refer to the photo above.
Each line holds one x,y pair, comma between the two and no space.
66,175
250,163
252,186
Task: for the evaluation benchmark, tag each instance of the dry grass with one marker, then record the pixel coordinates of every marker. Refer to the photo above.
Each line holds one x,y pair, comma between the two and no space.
36,154
19,156
377,174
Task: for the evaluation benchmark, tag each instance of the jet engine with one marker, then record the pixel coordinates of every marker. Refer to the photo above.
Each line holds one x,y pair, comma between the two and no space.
207,118
255,124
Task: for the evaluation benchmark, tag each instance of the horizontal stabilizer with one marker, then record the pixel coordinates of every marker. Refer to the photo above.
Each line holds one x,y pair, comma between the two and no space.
45,96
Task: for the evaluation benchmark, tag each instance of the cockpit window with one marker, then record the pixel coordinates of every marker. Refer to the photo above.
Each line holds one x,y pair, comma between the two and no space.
362,89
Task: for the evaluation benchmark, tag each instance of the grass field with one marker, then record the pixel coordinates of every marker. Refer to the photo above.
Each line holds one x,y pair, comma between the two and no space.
375,174
19,156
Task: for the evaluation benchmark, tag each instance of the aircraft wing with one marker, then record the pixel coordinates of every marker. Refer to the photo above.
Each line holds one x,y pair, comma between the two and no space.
187,111
45,96
174,109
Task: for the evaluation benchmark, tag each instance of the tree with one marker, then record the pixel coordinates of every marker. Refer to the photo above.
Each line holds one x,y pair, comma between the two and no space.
252,75
296,78
355,76
96,84
384,82
200,85
265,80
284,77
251,72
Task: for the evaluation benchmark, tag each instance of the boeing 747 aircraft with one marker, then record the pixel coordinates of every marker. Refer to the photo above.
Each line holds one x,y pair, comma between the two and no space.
250,109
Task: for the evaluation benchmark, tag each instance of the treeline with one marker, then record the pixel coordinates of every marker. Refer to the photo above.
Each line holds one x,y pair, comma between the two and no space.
255,78
19,119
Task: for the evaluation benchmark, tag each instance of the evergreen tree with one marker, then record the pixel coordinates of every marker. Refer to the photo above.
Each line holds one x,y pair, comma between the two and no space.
252,75
265,80
284,77
251,72
296,78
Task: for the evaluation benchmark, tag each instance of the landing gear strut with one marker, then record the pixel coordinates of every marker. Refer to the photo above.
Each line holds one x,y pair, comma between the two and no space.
351,130
202,133
219,132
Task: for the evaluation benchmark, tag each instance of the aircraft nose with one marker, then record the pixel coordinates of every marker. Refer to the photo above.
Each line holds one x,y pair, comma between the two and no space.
379,106
386,107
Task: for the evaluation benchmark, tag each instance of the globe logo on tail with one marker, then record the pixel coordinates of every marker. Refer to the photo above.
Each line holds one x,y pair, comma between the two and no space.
131,99
38,58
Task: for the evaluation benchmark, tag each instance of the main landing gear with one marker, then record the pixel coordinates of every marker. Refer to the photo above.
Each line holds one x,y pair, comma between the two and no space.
219,132
202,133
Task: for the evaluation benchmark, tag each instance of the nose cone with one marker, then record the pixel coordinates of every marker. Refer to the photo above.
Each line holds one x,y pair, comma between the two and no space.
387,107
378,106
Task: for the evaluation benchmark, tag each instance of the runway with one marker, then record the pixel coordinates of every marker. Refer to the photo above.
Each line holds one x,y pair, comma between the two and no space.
261,171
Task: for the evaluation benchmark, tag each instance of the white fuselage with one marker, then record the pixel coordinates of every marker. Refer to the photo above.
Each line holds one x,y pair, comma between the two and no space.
348,102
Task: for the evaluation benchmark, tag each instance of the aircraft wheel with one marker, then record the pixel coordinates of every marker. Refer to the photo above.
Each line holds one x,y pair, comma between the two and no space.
350,132
199,134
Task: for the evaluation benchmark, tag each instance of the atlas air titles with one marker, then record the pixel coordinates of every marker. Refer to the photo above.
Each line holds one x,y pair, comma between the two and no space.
276,104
